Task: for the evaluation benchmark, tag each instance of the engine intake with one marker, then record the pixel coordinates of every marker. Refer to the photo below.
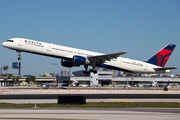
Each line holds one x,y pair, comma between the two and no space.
67,63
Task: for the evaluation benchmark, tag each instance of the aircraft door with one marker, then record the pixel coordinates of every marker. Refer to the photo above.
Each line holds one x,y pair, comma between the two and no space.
49,48
146,67
20,43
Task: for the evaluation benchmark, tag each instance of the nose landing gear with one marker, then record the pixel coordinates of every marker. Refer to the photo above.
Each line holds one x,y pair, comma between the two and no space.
19,54
19,58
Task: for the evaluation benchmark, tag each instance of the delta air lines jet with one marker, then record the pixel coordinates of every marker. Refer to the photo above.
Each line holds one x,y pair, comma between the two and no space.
71,57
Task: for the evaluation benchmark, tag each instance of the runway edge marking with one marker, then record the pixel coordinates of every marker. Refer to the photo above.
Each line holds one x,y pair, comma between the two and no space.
121,100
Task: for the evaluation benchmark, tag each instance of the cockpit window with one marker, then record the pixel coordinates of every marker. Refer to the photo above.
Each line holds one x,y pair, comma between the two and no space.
10,41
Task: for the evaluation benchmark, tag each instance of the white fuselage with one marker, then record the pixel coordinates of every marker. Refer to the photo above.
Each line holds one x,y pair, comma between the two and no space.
67,53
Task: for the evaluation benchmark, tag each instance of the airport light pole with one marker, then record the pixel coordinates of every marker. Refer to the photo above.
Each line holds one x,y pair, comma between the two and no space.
54,69
132,80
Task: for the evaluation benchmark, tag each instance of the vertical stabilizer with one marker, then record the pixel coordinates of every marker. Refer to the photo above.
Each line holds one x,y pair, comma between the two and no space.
161,57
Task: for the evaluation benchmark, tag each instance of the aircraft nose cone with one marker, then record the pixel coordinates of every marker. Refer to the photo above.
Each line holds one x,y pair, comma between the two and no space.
4,44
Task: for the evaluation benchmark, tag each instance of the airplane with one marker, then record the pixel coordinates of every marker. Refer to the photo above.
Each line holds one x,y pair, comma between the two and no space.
152,84
164,85
73,57
156,84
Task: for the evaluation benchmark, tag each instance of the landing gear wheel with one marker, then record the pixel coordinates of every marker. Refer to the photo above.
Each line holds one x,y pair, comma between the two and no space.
84,71
94,71
19,58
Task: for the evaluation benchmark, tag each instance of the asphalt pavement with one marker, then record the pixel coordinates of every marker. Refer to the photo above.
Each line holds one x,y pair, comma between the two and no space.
89,113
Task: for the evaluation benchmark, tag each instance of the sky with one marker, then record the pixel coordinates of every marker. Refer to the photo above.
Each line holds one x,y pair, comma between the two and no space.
139,27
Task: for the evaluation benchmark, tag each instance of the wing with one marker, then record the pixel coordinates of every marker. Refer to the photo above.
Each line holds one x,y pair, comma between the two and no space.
102,58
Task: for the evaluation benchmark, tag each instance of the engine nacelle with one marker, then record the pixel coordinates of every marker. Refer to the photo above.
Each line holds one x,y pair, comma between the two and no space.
67,63
79,60
76,61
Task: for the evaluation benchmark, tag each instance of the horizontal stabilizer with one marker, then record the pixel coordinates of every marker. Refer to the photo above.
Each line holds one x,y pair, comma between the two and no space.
165,68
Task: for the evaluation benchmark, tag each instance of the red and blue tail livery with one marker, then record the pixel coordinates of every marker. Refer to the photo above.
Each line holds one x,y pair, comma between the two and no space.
161,57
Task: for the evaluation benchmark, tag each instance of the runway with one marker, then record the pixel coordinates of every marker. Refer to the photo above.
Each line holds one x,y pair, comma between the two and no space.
90,96
38,101
52,98
89,113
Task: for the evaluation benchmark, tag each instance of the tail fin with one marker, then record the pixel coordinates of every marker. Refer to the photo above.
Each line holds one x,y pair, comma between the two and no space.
161,57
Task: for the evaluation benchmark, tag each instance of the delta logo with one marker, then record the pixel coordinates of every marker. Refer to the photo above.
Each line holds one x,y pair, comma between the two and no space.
35,43
163,56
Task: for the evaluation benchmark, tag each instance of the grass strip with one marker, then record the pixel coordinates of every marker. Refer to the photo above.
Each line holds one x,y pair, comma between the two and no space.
96,105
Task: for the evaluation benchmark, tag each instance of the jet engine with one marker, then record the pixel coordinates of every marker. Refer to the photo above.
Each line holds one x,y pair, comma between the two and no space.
67,63
79,60
76,61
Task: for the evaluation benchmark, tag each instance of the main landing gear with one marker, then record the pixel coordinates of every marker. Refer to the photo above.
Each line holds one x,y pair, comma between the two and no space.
19,54
88,72
91,70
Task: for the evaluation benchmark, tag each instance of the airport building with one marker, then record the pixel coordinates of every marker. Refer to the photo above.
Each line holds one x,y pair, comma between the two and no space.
106,78
102,78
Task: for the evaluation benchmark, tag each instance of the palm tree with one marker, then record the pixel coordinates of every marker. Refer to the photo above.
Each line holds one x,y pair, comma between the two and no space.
5,81
14,81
